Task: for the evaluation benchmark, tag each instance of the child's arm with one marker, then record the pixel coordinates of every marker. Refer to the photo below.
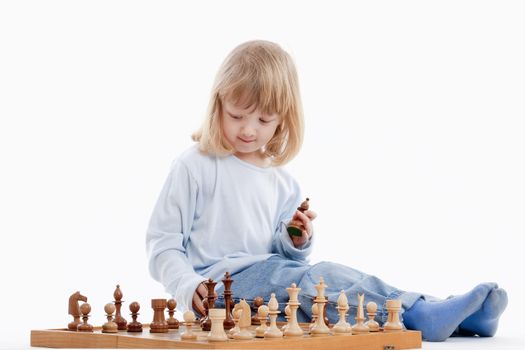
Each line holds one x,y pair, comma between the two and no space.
167,233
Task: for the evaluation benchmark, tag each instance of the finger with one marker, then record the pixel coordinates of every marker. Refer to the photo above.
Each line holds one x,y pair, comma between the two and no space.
202,291
311,214
301,216
197,305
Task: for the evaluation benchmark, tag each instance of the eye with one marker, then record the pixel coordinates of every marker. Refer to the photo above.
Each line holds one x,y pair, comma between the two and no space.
265,121
235,116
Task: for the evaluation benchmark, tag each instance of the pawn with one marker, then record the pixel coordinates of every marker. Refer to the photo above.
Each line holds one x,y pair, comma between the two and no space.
109,326
134,326
371,311
189,319
262,315
258,301
315,314
173,323
287,313
85,309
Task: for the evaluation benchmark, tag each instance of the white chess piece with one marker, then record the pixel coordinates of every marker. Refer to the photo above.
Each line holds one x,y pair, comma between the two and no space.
287,313
245,321
371,311
360,326
320,328
273,331
236,313
217,332
393,324
342,306
262,315
315,313
189,318
292,328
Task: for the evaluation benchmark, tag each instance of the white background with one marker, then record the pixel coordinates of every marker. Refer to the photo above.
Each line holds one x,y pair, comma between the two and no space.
413,154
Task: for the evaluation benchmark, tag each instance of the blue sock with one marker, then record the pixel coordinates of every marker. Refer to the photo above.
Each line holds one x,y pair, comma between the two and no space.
484,322
437,320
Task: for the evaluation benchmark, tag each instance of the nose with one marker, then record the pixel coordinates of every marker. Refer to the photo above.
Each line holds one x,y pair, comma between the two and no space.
248,130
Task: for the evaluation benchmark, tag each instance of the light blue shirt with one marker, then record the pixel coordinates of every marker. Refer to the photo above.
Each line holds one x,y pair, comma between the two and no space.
217,214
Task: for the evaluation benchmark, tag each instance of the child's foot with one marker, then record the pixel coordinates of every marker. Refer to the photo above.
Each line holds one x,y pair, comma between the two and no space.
484,322
439,319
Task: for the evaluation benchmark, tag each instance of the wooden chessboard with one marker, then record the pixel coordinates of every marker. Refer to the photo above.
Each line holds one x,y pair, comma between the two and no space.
62,338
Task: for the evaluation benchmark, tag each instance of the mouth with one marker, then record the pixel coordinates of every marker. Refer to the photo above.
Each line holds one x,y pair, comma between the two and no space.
246,141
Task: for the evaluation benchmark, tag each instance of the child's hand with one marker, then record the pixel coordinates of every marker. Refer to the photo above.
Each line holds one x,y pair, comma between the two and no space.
198,297
306,218
200,293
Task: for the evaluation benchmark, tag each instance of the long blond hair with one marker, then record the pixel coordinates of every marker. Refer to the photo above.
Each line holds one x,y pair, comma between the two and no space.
256,74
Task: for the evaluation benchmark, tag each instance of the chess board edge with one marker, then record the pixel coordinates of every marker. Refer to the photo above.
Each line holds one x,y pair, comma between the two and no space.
62,338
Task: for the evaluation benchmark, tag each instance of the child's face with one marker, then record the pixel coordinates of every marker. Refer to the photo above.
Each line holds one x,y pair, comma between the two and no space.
247,130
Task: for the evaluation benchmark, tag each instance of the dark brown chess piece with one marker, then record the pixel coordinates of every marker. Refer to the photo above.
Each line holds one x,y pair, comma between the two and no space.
74,310
119,320
159,324
228,302
85,309
258,301
173,323
134,326
295,227
206,322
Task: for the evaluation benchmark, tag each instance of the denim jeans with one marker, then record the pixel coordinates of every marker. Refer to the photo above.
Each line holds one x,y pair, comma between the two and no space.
278,273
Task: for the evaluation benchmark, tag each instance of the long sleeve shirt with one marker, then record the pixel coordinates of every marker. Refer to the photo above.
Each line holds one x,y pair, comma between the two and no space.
217,214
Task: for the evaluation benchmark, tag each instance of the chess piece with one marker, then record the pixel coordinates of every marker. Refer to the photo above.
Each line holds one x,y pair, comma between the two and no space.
360,326
273,309
245,321
109,326
262,315
287,313
258,301
393,324
320,328
119,320
371,312
315,314
74,310
173,323
189,318
159,324
134,326
236,316
295,227
292,328
206,322
85,309
342,307
217,332
228,302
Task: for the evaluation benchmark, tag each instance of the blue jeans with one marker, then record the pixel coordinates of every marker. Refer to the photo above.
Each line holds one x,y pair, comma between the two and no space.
278,273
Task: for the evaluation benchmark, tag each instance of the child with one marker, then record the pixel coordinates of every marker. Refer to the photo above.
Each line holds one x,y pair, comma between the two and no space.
227,201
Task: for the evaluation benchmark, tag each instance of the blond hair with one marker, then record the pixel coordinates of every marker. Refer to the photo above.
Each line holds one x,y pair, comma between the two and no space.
262,75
